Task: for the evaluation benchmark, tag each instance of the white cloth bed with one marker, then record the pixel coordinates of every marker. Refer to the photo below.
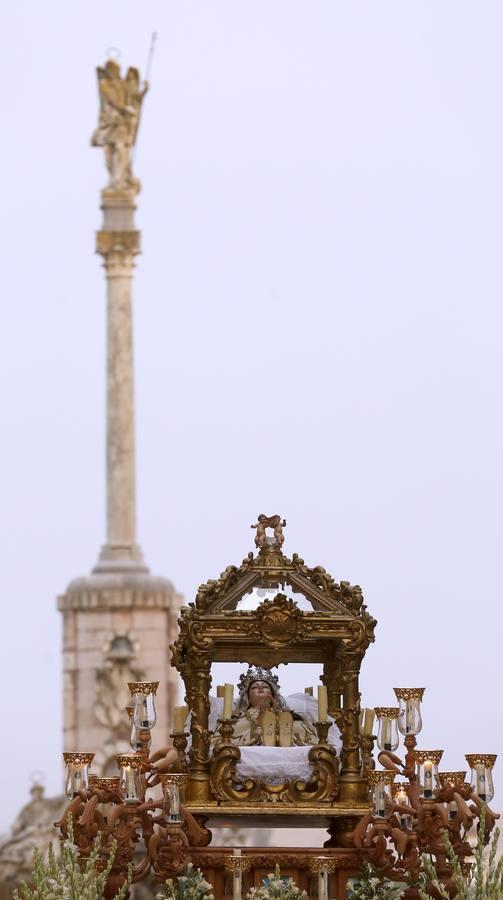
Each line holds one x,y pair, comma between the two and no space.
274,765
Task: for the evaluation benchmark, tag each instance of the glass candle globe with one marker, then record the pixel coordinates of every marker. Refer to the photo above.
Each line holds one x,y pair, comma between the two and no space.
110,786
409,717
130,765
454,780
482,765
387,731
427,771
143,696
77,773
173,785
380,782
400,796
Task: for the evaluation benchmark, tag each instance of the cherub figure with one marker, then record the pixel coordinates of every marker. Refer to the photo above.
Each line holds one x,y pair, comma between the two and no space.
264,522
260,535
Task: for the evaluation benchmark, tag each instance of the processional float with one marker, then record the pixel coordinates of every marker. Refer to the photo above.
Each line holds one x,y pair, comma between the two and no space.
162,808
388,816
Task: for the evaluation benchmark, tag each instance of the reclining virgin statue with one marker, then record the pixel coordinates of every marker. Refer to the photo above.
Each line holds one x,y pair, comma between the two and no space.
263,715
263,718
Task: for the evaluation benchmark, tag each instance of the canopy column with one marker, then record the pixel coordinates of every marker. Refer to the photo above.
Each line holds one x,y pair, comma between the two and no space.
197,678
332,679
353,786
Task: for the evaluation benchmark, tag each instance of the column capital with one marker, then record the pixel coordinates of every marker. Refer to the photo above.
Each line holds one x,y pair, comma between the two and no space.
118,243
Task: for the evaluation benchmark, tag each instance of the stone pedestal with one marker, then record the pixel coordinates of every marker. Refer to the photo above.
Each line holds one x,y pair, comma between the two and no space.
117,627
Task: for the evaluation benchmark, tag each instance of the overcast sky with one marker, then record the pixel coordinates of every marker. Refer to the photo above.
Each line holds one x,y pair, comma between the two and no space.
318,327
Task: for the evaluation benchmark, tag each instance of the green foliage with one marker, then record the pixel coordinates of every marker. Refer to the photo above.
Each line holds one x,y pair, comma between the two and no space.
188,886
283,889
372,886
483,882
63,879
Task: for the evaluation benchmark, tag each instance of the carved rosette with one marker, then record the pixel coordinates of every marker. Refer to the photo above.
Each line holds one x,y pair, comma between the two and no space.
279,621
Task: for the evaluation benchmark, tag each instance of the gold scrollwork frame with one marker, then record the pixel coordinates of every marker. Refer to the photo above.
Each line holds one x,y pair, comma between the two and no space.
322,788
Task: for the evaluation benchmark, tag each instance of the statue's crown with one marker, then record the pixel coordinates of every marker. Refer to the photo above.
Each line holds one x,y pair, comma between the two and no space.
258,674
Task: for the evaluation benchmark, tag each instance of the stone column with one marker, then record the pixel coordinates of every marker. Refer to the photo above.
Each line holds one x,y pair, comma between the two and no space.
120,604
118,242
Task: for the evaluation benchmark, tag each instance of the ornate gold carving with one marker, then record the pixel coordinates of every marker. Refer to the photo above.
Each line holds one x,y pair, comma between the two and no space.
279,621
284,857
387,712
177,779
143,687
409,693
423,756
480,759
318,863
133,760
448,779
336,632
380,776
78,759
105,784
323,787
237,863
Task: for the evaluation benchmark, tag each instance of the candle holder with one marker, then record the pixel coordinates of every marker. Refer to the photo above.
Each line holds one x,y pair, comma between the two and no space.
322,729
180,745
77,772
427,771
143,743
110,785
380,782
131,766
226,730
450,783
387,731
143,694
237,864
482,765
367,748
173,785
452,779
109,793
133,737
323,866
409,718
400,796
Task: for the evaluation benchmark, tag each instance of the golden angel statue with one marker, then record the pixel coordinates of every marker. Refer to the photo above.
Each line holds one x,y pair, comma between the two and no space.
120,108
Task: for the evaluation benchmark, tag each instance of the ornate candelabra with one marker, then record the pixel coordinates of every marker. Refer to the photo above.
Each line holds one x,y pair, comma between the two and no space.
412,817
